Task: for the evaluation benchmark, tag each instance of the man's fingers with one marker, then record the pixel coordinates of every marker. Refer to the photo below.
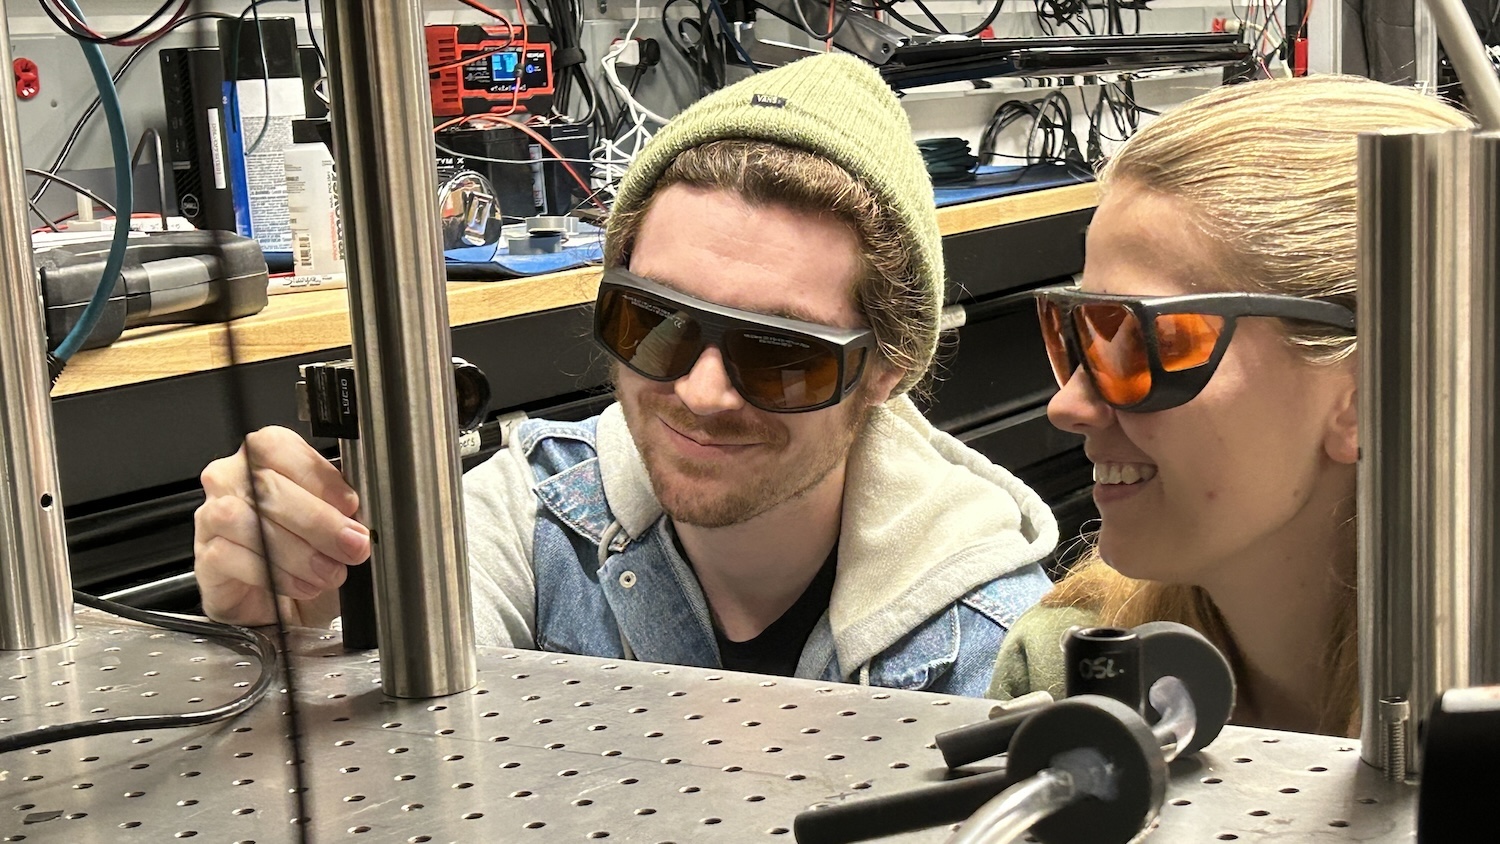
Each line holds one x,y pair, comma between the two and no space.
233,521
290,456
309,517
281,451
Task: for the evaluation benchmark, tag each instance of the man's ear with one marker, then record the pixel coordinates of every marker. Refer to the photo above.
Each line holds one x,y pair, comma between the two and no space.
1341,439
881,380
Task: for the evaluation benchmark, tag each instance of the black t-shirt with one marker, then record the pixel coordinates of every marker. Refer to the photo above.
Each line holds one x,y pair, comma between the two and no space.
778,648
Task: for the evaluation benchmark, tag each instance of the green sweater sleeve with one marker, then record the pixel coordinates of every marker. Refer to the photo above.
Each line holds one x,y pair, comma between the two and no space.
1031,658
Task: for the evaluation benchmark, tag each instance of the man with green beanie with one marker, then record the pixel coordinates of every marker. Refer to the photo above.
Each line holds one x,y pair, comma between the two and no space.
762,496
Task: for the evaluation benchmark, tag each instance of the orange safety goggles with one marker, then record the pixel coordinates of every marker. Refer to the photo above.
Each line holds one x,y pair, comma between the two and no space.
1144,354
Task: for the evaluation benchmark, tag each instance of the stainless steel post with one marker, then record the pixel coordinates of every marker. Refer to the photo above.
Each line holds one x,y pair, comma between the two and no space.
1484,578
1325,39
1467,52
1425,34
399,314
1415,470
36,601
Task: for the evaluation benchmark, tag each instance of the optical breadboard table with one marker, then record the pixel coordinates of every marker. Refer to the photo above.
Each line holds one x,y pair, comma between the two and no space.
551,748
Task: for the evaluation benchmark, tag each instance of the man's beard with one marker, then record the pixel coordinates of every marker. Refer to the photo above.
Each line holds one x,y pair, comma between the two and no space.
677,488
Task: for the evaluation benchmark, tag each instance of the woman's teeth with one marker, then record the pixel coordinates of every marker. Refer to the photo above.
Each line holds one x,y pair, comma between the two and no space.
1123,473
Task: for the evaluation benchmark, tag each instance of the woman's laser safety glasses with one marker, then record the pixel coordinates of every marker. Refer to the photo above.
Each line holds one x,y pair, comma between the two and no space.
777,364
1144,354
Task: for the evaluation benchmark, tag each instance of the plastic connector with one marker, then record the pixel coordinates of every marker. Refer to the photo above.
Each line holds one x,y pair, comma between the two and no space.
630,53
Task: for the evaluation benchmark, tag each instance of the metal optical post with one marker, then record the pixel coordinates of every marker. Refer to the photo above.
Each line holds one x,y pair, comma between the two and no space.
1429,598
36,601
401,344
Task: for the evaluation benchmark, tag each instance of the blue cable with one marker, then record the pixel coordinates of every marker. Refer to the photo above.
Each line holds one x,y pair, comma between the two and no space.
109,101
734,42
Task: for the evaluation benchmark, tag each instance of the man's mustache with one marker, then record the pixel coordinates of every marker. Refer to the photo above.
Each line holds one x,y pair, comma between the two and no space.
720,428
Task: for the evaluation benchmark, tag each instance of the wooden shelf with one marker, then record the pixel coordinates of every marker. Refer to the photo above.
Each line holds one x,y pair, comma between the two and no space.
301,323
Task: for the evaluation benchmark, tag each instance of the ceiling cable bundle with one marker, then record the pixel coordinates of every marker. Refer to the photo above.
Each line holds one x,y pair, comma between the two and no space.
1049,137
1117,100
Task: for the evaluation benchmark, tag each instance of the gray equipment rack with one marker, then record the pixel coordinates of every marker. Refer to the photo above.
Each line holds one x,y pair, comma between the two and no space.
553,748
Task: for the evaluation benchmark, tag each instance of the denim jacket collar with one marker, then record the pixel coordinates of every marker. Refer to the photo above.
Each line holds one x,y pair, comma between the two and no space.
927,521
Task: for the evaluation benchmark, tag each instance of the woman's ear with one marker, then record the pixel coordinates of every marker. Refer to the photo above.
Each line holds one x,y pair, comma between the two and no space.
1341,439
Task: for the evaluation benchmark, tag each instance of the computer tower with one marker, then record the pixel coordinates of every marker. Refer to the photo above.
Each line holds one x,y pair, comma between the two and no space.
192,81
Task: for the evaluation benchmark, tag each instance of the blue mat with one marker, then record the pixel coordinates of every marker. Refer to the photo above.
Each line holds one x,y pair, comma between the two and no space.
992,181
492,262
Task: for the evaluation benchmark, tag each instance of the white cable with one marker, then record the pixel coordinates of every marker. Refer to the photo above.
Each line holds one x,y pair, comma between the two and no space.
613,155
612,58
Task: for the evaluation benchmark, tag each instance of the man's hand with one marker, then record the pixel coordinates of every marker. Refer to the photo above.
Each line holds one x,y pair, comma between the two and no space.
277,514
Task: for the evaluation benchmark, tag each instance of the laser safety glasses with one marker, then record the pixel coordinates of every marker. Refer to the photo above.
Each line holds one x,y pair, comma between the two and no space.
1144,354
777,364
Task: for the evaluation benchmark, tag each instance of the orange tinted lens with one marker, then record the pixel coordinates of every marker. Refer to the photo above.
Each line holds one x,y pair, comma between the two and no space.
1115,351
1052,338
1187,340
781,371
649,335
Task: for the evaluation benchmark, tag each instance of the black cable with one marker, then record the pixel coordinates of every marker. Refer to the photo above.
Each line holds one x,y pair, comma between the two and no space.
114,40
693,51
239,412
46,221
927,12
73,135
984,24
71,185
816,35
1051,14
312,35
256,642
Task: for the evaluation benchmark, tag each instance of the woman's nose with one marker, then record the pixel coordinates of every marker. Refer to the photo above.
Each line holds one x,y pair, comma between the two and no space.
1077,407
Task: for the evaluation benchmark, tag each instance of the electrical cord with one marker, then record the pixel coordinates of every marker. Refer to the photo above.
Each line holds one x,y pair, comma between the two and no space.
234,53
256,642
72,22
887,6
726,33
124,199
811,30
1051,14
1050,136
130,59
46,221
473,157
312,35
73,186
690,49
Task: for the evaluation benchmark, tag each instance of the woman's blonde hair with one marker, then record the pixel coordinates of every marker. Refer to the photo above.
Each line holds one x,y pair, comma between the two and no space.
1267,172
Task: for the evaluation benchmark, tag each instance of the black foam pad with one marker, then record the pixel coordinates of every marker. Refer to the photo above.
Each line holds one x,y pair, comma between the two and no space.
1169,649
1120,735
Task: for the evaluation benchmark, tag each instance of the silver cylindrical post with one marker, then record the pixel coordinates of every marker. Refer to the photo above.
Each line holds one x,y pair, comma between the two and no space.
1415,471
1467,53
399,314
1484,286
36,597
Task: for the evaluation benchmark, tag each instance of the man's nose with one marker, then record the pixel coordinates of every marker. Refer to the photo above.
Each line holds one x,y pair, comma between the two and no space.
706,389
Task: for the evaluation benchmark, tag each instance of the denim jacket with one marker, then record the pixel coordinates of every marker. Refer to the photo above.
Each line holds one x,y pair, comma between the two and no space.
938,555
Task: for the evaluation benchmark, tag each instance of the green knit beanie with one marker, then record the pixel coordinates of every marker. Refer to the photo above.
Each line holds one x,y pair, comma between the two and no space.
831,104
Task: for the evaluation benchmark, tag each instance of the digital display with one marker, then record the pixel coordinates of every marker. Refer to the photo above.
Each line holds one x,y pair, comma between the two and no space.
503,65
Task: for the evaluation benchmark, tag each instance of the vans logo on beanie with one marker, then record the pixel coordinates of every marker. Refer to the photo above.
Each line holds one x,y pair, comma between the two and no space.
767,100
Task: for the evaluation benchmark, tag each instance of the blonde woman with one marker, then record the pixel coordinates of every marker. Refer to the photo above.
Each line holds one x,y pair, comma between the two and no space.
1208,358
